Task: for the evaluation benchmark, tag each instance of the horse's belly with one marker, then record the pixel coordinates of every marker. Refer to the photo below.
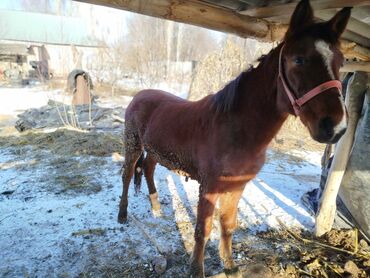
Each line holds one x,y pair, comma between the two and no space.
180,164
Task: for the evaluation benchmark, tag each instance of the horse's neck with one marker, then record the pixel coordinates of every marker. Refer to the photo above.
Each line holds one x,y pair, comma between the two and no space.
259,109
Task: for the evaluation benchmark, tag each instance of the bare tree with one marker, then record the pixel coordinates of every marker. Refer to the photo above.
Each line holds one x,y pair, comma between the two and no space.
219,67
153,51
154,44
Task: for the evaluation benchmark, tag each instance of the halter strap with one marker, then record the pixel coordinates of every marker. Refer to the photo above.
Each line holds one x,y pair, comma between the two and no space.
297,103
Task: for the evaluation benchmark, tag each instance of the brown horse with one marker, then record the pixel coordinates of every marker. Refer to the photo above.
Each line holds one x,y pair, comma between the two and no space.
221,140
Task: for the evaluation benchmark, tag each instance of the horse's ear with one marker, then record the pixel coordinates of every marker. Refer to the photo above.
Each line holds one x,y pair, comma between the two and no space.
302,16
339,22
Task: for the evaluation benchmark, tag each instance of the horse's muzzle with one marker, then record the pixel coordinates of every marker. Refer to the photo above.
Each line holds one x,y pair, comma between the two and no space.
327,133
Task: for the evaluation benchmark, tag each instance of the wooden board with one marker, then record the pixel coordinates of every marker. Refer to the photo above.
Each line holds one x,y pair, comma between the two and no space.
200,14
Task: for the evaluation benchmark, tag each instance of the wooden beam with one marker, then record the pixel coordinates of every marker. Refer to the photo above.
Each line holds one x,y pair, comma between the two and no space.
278,10
358,39
251,2
277,31
351,50
197,13
355,66
361,14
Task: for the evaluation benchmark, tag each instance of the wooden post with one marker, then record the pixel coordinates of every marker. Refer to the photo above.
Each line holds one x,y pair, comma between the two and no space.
82,94
354,100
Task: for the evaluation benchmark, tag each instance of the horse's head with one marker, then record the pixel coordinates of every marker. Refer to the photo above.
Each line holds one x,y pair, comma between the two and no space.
309,65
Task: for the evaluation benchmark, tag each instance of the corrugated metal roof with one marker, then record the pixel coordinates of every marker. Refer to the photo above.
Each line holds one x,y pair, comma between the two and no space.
44,28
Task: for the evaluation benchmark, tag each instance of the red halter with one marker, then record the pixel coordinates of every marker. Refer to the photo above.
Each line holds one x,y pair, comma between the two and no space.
298,103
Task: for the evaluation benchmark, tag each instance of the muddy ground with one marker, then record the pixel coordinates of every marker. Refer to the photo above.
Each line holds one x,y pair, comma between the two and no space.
59,194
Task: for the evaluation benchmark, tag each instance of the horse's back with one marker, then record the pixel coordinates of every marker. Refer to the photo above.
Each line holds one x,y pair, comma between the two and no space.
148,103
149,100
155,97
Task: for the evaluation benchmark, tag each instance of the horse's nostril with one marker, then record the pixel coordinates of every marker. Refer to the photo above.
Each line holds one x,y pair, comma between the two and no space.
326,124
326,129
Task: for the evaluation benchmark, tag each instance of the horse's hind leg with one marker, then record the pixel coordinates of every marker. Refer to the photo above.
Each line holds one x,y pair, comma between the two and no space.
149,167
228,220
133,151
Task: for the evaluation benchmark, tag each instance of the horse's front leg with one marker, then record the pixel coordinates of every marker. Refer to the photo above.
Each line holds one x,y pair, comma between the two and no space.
206,206
228,219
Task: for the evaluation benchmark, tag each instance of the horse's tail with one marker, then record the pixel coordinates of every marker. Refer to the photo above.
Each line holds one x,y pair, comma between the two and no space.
138,173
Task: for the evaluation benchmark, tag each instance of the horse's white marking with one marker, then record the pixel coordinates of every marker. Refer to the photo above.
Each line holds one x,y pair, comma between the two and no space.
343,123
327,55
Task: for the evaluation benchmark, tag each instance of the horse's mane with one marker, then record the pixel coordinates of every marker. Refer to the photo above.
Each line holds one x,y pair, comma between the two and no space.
226,99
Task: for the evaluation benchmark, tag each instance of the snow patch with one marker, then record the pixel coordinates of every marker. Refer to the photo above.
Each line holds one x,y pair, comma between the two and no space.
42,231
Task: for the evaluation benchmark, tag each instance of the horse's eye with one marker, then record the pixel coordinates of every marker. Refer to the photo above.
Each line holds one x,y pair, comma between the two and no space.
299,61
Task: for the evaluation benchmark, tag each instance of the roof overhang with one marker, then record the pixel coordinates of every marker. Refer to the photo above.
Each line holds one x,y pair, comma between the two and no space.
262,20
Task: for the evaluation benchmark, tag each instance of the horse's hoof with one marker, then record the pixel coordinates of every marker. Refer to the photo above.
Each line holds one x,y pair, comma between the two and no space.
232,272
122,217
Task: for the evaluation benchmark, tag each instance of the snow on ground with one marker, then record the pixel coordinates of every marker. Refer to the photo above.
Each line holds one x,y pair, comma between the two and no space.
113,101
15,100
43,228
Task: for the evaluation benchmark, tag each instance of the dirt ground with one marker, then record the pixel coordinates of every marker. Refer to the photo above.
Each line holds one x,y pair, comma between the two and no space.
60,191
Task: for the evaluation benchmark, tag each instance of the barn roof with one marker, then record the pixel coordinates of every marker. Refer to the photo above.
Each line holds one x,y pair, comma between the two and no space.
44,28
265,20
